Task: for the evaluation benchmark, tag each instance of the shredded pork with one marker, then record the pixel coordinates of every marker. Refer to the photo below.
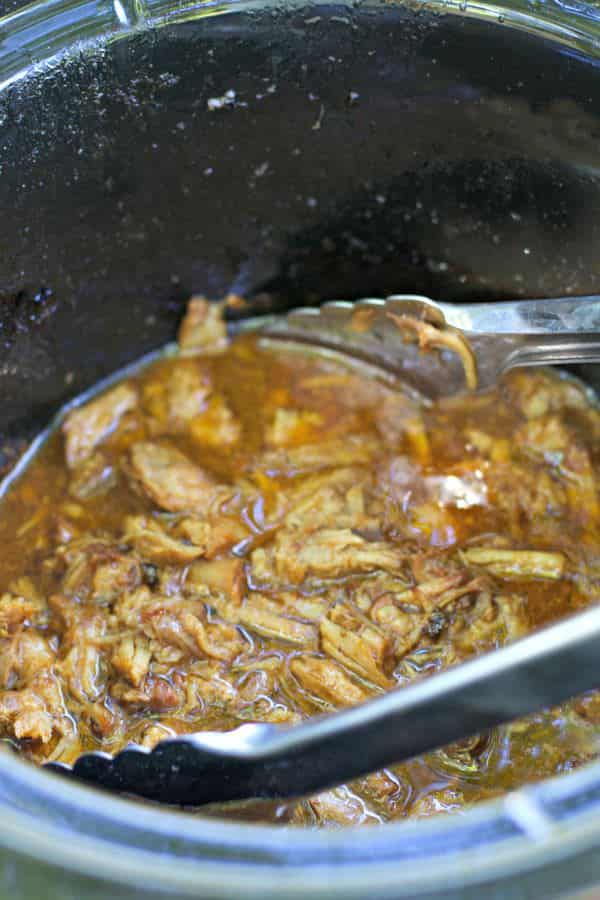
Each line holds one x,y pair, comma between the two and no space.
235,535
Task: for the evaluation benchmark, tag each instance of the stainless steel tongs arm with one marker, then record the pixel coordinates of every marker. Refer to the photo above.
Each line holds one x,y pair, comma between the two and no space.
562,316
563,331
496,336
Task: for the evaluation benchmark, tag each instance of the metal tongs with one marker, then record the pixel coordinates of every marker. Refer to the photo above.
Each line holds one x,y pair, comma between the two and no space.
477,342
543,669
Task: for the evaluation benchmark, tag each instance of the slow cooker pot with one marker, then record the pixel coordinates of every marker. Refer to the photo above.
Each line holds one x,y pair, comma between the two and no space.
153,148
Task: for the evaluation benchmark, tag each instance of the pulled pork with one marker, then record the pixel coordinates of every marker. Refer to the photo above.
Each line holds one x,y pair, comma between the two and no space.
239,534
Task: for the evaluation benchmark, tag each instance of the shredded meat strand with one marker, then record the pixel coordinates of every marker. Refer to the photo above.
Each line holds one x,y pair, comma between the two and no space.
430,337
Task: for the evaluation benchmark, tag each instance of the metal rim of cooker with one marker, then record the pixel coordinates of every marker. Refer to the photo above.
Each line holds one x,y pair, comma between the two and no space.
551,826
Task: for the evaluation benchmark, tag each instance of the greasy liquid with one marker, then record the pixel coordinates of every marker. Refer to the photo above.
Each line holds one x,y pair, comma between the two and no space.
39,513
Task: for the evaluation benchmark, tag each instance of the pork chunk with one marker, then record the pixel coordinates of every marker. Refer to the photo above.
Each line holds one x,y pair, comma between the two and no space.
19,609
350,638
216,426
309,608
487,624
172,404
588,707
331,553
82,666
156,694
216,534
267,617
434,802
530,504
153,544
86,427
333,500
203,329
154,734
93,477
541,392
111,578
22,657
98,570
405,625
549,440
327,681
219,640
36,712
291,427
348,451
517,563
226,576
341,806
131,658
169,478
184,624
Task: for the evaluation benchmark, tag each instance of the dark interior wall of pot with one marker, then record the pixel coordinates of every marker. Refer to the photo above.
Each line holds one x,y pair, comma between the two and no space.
326,152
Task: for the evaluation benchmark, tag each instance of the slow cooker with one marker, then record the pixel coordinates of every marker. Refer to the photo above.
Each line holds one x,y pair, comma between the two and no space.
292,152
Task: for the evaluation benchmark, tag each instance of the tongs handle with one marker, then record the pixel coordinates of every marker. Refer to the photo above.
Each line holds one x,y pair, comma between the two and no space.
560,316
530,332
540,670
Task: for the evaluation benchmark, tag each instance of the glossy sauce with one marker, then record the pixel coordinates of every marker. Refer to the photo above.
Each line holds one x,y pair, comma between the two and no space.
460,468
